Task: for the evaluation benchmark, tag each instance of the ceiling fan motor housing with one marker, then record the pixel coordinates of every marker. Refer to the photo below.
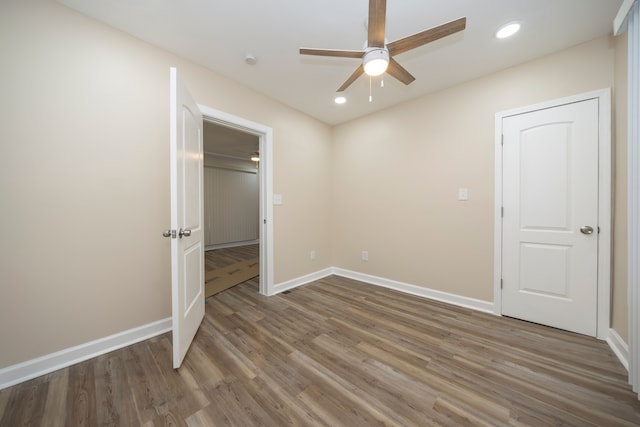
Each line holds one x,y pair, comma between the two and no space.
375,60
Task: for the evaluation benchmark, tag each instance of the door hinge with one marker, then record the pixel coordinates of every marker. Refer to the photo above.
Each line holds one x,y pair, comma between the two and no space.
264,221
500,283
502,211
502,139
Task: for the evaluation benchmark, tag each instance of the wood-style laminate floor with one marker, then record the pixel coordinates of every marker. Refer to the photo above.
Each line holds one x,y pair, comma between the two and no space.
219,258
339,353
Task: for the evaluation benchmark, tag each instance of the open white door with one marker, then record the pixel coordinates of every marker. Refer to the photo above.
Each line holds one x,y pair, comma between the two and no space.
187,245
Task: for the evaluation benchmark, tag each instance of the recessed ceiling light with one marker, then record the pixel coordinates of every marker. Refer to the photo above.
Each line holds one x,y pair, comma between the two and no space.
508,30
340,100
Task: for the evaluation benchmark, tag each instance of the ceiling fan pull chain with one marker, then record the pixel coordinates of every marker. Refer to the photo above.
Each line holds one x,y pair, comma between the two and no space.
382,81
370,96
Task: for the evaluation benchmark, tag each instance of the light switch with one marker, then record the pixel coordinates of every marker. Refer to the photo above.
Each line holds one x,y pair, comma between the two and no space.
277,199
463,194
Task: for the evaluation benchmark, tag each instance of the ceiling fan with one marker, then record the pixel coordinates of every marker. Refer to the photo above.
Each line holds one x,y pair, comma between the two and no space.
377,57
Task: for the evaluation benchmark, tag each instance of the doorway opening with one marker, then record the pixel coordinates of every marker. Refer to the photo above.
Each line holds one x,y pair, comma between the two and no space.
231,207
244,231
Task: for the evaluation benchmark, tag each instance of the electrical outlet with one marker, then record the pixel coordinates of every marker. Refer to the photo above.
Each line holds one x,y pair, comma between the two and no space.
365,255
312,255
463,194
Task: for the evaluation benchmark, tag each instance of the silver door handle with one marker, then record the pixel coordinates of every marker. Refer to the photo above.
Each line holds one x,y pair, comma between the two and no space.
184,233
169,233
586,229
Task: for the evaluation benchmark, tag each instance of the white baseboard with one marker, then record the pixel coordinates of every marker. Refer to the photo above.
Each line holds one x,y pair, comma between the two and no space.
231,245
472,303
43,365
407,288
619,347
30,369
302,280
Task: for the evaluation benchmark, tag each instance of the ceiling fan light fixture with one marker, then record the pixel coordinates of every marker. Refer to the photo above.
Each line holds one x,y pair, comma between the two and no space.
375,61
340,100
508,30
376,56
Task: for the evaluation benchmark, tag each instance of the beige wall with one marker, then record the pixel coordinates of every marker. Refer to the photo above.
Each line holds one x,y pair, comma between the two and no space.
396,173
84,178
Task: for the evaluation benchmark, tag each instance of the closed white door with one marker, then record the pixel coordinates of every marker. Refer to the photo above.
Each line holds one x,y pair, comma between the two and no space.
187,245
550,216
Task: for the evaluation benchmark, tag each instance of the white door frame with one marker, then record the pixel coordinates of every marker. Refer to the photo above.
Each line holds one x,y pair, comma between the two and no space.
265,136
604,201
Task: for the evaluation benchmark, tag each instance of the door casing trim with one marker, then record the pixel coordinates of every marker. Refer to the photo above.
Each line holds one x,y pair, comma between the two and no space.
604,200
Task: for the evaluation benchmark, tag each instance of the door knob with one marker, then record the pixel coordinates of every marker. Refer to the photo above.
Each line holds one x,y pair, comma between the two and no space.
184,233
169,233
586,229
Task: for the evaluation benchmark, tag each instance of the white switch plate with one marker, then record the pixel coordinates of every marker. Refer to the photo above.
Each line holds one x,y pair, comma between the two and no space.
463,194
365,255
277,199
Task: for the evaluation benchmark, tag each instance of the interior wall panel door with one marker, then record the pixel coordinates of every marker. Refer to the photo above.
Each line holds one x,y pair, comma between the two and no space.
187,243
550,198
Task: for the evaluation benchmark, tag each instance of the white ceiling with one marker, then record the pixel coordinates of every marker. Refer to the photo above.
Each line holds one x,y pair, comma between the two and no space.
220,33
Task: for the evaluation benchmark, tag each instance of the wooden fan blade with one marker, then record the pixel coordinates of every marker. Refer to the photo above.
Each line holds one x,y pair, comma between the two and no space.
332,52
377,18
352,78
411,42
396,70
